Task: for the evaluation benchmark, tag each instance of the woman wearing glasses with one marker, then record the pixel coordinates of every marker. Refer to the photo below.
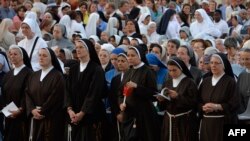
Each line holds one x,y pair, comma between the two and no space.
219,100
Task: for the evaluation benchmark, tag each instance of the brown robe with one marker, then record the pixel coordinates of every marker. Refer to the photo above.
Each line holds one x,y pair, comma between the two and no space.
185,127
224,93
139,105
14,90
49,95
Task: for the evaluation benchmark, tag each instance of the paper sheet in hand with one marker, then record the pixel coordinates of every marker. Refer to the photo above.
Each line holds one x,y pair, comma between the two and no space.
162,94
11,107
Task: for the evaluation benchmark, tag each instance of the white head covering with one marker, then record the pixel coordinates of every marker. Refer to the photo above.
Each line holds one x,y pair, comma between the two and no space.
142,18
108,47
117,39
33,26
63,4
65,20
111,29
95,38
68,54
92,24
205,17
4,27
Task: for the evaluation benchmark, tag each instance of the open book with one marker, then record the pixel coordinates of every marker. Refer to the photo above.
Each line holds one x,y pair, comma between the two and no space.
163,94
10,107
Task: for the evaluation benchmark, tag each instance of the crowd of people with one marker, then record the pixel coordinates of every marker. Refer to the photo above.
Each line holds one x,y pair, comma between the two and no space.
137,70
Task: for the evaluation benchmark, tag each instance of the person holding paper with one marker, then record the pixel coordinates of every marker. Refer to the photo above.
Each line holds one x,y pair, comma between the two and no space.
45,99
138,108
180,121
13,91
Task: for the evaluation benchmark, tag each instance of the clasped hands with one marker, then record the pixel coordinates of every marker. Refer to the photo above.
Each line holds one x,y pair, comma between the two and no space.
75,117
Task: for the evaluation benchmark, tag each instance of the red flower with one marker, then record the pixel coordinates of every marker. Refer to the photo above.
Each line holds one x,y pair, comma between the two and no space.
127,91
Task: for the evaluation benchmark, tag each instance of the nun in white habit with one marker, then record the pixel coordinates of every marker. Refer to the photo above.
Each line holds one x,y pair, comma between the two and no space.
32,41
143,22
203,26
65,20
112,27
91,27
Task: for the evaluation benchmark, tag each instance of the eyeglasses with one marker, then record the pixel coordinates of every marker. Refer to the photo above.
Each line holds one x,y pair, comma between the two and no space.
214,63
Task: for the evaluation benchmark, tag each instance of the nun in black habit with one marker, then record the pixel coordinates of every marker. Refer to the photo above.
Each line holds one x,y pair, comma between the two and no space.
218,99
13,90
44,99
85,89
180,122
138,108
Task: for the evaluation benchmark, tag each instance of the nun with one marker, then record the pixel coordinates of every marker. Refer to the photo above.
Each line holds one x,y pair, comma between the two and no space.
186,54
32,41
60,38
169,26
203,27
116,115
159,68
45,99
13,90
84,92
138,110
218,99
179,122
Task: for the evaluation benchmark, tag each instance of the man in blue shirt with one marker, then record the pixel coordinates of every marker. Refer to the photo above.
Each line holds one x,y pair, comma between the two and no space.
5,11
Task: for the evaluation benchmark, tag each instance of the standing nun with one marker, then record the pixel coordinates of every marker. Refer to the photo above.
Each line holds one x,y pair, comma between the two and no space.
179,119
14,84
138,108
219,100
44,99
85,90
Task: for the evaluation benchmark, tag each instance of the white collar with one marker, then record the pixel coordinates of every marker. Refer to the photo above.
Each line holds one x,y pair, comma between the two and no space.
112,14
18,69
83,66
189,66
45,72
248,70
178,80
216,80
104,66
138,66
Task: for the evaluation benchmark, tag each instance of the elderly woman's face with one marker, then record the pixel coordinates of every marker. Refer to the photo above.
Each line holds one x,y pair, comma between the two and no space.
15,56
216,66
57,32
104,57
198,17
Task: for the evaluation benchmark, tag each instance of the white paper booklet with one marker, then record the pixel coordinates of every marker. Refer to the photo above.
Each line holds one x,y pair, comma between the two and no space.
10,107
162,94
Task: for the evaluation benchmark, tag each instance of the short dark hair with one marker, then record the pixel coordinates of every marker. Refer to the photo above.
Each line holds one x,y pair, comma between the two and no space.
230,42
123,3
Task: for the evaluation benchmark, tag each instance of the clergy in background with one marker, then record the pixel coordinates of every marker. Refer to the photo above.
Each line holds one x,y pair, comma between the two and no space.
44,99
32,42
243,82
